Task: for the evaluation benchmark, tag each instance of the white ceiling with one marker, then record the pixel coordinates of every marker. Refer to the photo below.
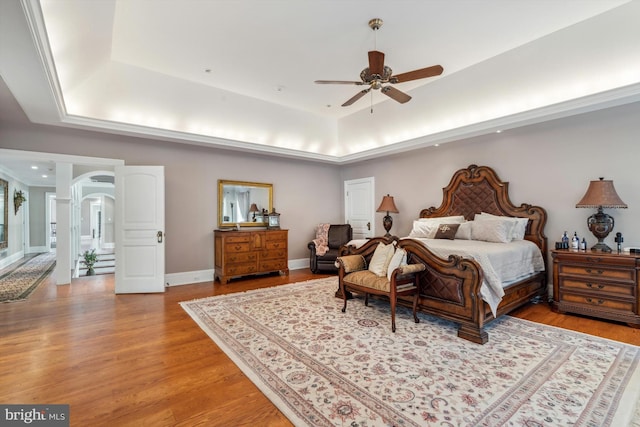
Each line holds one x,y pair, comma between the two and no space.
136,67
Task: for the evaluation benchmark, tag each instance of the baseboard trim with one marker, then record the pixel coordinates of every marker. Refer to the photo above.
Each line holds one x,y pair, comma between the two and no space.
11,259
203,276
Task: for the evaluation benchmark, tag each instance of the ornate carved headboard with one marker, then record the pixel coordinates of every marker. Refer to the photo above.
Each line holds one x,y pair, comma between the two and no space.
478,189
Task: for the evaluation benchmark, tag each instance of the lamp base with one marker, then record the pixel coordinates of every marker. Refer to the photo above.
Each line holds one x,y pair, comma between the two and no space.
387,222
601,247
600,224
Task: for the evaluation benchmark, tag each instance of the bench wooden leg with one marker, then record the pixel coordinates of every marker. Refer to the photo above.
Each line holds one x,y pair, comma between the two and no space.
393,314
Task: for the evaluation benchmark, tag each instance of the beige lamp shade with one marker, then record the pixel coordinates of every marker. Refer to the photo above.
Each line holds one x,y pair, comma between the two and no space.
253,208
601,193
388,205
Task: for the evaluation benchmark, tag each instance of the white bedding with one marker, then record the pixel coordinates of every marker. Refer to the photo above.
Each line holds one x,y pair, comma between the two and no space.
502,263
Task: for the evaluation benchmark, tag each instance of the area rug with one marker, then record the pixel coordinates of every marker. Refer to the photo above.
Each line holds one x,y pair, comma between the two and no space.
322,367
18,282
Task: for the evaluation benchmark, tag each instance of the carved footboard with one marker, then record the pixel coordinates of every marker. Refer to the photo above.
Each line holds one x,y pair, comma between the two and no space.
450,289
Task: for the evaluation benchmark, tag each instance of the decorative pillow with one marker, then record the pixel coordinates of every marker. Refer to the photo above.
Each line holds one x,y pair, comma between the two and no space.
399,258
447,231
457,219
424,229
381,257
491,230
464,231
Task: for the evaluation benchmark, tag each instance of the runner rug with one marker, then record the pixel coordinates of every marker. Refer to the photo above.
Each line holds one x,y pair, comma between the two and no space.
17,283
322,367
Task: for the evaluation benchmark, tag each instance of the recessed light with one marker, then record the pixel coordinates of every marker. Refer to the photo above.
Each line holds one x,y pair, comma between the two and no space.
499,131
34,167
45,176
436,145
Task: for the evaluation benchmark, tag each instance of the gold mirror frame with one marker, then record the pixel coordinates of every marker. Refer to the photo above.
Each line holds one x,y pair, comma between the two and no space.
4,213
235,199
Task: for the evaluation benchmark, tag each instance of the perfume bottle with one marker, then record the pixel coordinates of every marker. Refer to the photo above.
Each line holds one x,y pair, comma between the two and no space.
575,241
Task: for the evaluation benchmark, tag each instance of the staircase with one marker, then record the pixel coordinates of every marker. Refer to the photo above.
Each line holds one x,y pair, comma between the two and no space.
106,264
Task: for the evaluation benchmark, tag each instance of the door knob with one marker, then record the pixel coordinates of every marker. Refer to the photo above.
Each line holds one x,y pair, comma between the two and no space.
369,225
159,235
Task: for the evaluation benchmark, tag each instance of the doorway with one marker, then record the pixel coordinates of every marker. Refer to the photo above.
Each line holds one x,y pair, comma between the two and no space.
50,224
359,206
94,221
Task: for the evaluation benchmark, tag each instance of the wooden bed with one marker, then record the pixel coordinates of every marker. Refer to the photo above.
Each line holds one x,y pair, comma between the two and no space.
450,288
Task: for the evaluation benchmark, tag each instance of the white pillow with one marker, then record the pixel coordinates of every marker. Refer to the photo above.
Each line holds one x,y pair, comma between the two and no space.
381,257
424,229
399,258
518,225
491,230
464,231
458,219
520,228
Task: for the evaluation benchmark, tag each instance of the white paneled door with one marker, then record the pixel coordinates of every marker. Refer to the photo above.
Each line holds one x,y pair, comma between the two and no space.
139,217
359,209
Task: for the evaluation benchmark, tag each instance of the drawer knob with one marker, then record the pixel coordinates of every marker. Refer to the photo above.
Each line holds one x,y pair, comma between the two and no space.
591,271
591,301
591,285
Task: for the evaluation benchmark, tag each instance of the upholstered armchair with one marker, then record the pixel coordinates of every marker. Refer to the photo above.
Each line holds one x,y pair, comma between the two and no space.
379,268
337,235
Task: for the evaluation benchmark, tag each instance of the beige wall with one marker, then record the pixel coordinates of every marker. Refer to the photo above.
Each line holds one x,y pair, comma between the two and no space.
305,193
548,164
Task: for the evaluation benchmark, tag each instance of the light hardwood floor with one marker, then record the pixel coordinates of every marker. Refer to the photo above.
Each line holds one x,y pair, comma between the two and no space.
140,360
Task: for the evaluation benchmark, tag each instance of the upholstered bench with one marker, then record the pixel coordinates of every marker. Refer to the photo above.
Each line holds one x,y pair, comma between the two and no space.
380,274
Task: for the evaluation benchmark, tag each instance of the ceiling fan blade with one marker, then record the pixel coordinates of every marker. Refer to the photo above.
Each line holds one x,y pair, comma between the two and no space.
422,73
356,97
396,94
337,82
376,62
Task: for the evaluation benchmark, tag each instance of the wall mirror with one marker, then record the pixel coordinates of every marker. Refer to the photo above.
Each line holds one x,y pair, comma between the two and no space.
4,213
244,203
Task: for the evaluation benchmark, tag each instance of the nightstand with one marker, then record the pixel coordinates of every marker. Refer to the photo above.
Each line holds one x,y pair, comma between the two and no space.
597,284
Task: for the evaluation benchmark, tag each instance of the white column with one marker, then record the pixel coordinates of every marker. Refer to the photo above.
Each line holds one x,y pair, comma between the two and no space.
64,175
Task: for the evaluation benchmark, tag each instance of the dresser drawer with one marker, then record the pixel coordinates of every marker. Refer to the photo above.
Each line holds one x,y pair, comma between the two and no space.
237,247
591,259
598,302
624,290
238,239
240,257
240,269
626,274
277,235
280,254
273,265
276,244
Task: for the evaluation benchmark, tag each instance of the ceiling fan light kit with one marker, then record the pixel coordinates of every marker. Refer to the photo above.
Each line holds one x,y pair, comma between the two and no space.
378,76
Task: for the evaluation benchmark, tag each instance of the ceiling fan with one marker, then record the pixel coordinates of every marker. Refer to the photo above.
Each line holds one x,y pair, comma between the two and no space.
377,75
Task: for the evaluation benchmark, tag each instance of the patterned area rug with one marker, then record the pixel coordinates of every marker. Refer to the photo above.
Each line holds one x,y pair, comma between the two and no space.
322,367
18,282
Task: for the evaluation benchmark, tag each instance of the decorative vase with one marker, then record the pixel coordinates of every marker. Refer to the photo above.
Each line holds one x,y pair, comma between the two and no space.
91,271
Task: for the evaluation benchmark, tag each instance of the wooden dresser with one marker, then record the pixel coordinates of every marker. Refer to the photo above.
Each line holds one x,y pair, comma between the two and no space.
241,253
604,285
